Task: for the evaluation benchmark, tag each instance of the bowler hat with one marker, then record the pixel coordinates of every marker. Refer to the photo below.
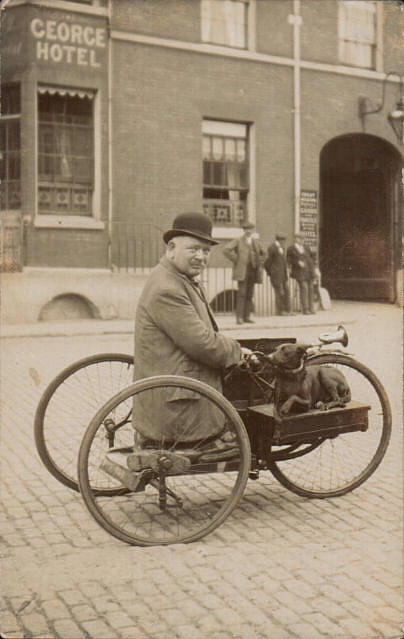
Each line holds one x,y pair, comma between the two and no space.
280,236
248,225
195,224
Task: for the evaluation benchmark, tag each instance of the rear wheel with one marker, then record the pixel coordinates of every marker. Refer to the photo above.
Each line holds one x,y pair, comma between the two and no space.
170,491
334,466
68,404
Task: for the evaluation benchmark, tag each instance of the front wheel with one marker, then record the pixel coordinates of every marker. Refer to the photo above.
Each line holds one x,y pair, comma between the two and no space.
164,482
334,466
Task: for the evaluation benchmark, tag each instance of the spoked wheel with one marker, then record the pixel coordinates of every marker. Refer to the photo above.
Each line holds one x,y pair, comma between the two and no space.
68,405
186,472
332,467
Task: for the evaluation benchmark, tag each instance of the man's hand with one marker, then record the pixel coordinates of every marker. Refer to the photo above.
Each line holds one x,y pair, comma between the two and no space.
249,356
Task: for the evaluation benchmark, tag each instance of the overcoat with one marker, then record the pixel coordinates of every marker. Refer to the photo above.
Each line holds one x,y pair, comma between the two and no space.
176,334
238,252
275,264
300,272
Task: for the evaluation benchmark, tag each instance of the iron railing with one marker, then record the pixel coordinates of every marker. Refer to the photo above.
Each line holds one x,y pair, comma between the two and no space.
11,243
136,248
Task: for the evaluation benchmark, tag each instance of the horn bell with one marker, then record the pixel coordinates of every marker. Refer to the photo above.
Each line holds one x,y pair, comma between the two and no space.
340,336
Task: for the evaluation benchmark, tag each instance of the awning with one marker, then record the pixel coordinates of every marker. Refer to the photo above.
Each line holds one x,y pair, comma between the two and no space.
73,93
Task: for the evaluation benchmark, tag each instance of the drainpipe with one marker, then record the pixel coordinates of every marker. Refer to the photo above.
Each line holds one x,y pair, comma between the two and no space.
109,71
296,21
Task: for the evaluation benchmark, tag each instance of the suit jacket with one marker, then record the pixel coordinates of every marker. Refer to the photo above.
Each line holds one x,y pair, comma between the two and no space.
240,253
302,271
275,265
176,334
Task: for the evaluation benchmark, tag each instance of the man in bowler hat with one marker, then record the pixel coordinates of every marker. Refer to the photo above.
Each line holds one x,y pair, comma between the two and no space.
276,268
176,334
246,255
302,270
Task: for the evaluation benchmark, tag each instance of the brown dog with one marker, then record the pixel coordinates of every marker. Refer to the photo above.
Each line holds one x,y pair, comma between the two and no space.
299,388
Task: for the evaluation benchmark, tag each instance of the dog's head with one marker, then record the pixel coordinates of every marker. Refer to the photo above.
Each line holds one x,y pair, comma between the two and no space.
289,356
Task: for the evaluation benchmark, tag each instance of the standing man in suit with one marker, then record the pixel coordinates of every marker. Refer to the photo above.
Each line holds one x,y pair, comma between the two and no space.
302,270
246,255
277,270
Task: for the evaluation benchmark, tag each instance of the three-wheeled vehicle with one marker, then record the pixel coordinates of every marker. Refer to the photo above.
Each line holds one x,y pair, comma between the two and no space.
179,491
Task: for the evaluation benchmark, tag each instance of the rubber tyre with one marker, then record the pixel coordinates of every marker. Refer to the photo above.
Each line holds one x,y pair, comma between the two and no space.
62,397
296,474
197,525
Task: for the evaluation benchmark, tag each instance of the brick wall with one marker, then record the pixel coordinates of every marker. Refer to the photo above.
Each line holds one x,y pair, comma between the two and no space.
157,122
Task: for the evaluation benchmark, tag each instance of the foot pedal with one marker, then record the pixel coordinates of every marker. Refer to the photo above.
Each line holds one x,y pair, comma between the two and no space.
159,460
114,465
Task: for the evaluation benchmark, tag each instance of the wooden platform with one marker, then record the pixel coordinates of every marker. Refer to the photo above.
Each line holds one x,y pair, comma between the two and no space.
306,427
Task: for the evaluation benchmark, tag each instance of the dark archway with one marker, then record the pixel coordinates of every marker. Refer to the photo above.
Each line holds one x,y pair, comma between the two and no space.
359,221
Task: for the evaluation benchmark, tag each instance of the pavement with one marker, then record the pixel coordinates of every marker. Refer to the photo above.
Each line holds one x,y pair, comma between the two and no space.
280,567
341,312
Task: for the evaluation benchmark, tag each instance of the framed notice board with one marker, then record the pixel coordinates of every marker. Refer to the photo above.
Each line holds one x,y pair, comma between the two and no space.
309,217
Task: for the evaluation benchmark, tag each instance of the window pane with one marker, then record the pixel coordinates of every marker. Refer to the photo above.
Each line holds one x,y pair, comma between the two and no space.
10,100
13,138
46,139
232,175
14,167
206,147
2,136
82,171
218,173
243,176
217,148
241,150
230,149
82,142
207,173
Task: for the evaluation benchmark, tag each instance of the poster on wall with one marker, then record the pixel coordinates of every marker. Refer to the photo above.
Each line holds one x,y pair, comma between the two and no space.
309,217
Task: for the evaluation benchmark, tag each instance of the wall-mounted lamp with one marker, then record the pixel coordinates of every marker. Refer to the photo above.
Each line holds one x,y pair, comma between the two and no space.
395,117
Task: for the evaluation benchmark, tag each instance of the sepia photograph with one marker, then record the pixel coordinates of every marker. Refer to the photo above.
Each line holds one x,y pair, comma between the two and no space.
201,321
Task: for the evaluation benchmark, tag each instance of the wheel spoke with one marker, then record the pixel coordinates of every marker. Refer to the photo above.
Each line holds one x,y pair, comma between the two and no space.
340,464
68,405
180,501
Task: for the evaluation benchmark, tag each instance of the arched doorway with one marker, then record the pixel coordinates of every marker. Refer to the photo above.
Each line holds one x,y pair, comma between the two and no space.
359,221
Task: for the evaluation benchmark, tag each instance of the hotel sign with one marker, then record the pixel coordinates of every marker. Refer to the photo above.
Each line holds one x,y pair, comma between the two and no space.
72,43
58,40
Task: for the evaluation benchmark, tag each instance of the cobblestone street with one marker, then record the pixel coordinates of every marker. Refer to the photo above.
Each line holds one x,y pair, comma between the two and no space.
280,567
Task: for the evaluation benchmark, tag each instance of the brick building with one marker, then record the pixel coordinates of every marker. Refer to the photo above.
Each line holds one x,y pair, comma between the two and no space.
118,114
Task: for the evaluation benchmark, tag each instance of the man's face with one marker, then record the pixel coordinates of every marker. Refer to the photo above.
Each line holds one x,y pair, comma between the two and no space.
188,254
248,232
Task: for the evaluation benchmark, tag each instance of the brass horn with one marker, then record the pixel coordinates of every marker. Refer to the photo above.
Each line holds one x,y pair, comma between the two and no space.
340,335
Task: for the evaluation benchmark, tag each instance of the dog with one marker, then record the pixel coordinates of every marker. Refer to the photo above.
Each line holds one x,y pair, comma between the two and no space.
299,388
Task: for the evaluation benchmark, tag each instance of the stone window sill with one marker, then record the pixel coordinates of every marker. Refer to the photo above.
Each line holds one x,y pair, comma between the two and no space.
68,222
